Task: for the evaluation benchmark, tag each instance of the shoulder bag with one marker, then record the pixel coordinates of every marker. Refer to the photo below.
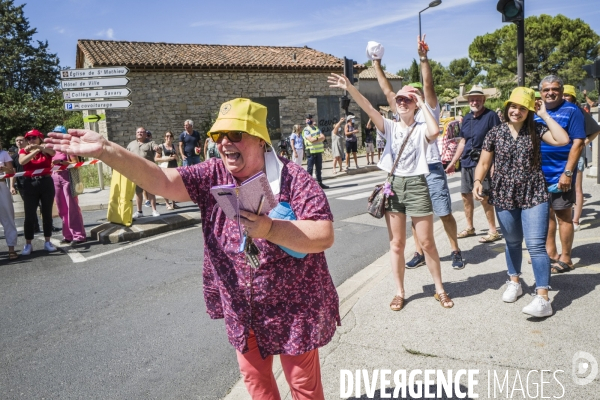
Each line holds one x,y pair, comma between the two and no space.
378,199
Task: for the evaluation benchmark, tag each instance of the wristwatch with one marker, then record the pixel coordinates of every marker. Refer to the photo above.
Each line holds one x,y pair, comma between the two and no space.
423,58
568,173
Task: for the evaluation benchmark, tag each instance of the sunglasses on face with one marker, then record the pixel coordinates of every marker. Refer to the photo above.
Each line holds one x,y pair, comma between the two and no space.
232,136
405,100
32,138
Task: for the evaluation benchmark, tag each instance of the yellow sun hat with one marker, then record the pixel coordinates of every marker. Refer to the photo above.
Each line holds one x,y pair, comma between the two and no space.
522,96
569,89
242,115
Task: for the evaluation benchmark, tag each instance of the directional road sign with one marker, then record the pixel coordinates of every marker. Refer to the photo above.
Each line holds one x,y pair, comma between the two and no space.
94,105
94,118
96,93
93,83
93,72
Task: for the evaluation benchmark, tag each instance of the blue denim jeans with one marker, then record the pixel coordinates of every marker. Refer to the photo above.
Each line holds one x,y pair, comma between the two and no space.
189,161
531,223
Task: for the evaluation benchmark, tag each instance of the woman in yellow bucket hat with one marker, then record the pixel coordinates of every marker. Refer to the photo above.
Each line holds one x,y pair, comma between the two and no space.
519,191
287,304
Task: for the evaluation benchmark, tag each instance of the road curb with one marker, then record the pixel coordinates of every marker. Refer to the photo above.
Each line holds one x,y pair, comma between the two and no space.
109,232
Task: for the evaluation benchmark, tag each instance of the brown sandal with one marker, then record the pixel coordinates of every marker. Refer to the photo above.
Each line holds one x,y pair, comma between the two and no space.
443,298
13,255
466,233
397,303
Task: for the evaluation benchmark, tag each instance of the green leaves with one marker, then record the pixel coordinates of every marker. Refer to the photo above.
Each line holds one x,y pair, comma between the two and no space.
29,93
553,45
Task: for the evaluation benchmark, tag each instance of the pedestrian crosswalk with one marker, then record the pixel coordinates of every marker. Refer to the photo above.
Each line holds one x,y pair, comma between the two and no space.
357,187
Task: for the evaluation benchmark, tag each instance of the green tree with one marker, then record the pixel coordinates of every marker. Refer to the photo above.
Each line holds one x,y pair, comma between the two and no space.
460,71
29,92
553,45
370,63
411,74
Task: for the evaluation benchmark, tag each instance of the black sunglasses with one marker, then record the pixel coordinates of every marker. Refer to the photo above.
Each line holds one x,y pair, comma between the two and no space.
232,136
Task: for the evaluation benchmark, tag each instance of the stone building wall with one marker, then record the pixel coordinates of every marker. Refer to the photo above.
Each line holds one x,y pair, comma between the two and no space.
162,101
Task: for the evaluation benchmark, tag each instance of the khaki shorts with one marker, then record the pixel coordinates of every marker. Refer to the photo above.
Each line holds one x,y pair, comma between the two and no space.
411,196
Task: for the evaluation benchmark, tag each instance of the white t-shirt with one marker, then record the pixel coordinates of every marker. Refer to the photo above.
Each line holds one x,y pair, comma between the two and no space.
433,152
4,158
413,160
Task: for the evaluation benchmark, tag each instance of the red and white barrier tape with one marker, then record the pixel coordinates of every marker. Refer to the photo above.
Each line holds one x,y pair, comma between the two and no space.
48,171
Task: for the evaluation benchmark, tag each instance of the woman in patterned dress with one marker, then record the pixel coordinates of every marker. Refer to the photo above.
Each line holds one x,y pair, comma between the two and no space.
519,191
286,305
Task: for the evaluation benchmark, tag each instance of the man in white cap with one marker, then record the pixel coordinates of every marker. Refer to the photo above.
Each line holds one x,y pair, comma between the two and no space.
475,126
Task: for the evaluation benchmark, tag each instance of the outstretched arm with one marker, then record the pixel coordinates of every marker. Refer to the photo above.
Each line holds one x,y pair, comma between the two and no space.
164,182
342,82
428,86
385,85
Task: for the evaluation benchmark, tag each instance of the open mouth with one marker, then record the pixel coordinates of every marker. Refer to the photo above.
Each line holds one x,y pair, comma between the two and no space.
232,155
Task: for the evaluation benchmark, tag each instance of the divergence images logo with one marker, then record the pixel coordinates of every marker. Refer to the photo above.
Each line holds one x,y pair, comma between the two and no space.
585,368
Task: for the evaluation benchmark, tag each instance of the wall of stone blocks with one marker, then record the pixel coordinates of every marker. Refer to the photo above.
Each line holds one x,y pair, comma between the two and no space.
163,100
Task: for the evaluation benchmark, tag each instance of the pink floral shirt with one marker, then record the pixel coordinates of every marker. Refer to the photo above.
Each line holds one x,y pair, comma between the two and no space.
290,303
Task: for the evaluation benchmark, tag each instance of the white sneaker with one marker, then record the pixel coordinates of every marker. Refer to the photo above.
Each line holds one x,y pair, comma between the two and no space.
155,213
512,292
26,250
49,247
539,307
137,214
147,203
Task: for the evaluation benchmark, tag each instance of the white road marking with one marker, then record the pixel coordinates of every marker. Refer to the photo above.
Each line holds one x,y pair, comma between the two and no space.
77,257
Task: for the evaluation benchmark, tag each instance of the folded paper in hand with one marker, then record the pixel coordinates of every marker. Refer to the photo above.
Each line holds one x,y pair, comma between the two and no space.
246,196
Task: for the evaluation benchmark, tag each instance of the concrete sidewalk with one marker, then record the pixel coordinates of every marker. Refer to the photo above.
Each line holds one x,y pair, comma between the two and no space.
480,333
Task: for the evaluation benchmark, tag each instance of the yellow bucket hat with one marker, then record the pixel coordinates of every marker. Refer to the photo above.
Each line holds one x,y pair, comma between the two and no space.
243,115
522,96
569,89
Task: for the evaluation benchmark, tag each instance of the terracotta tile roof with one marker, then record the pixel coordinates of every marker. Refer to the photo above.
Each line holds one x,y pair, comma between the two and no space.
369,73
148,55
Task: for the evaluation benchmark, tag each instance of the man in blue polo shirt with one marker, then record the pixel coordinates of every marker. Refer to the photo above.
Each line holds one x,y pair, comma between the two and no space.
559,165
475,126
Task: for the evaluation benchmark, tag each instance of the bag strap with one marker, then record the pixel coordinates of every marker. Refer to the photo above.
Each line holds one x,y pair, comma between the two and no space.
401,150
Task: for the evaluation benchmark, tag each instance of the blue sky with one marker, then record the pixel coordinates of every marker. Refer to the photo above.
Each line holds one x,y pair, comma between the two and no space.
341,28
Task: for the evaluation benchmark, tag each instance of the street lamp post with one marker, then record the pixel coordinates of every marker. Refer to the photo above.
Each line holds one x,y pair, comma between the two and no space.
434,3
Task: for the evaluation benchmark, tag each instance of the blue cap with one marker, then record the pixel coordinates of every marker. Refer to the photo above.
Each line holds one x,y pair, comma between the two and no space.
60,129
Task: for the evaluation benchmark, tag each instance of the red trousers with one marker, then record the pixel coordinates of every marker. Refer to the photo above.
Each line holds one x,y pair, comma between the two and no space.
303,374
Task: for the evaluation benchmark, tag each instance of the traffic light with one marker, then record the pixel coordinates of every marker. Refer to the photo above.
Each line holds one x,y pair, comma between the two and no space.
349,70
511,10
345,103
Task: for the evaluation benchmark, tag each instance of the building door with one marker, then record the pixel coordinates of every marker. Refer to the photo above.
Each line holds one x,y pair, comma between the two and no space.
328,112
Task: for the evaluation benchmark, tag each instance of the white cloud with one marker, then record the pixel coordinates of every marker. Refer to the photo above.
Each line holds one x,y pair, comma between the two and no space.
60,29
327,23
108,33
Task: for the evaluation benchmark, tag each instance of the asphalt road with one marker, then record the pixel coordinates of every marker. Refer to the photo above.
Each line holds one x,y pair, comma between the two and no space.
130,321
